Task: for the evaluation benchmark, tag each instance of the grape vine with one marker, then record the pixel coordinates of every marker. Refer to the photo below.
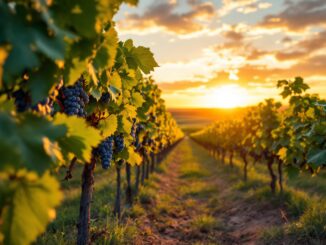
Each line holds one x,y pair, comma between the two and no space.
70,93
292,136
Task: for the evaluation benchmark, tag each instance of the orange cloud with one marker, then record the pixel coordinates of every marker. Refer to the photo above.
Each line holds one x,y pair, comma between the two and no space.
305,47
163,15
251,75
298,15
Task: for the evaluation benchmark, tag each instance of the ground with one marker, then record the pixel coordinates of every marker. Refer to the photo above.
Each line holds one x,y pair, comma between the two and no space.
194,198
194,202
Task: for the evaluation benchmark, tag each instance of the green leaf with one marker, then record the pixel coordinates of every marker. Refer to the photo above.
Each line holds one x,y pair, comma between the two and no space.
144,58
80,137
5,104
137,99
54,48
109,125
129,44
101,59
124,125
115,80
129,111
42,80
133,157
96,93
22,141
31,207
78,15
317,158
15,31
76,70
111,45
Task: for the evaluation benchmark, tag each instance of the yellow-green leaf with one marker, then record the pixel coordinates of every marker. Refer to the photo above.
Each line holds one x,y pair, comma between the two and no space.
137,99
134,158
80,137
109,125
31,207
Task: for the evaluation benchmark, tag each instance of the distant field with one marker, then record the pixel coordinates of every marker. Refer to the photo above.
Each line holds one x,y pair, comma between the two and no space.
194,119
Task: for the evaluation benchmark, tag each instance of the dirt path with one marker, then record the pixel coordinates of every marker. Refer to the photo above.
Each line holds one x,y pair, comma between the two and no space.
194,203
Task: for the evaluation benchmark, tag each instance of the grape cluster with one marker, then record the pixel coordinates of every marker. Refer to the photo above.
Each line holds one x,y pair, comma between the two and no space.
119,143
105,152
105,98
22,100
75,99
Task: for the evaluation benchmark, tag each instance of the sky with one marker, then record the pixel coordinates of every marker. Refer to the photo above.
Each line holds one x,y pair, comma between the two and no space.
229,53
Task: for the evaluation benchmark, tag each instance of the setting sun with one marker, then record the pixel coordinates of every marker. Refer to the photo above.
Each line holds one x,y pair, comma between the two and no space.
228,96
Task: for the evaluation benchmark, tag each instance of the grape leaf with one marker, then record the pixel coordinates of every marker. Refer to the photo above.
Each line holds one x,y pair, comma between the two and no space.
137,99
78,15
75,70
317,157
80,137
129,111
42,80
133,157
22,141
144,58
105,56
31,207
115,80
109,125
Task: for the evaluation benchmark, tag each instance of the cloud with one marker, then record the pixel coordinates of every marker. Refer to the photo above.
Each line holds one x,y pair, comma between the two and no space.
298,15
254,7
234,36
163,15
171,87
243,6
251,76
305,47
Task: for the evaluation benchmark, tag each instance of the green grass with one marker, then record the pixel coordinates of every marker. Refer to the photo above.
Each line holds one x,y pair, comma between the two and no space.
147,196
309,229
136,211
103,225
205,223
303,200
198,189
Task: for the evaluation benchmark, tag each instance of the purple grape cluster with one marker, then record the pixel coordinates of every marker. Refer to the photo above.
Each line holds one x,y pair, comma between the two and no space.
119,143
105,152
74,99
105,98
23,103
22,100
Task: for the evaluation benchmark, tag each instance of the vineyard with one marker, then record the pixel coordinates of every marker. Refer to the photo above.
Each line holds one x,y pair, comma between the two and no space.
90,154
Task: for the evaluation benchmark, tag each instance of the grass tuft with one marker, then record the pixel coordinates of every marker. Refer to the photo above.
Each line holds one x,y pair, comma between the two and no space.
309,229
147,196
205,223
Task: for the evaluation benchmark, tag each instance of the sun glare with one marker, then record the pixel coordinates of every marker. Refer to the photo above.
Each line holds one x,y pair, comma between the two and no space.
228,96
